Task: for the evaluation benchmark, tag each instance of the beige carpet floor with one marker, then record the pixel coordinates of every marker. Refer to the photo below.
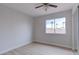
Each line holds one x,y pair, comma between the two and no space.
39,49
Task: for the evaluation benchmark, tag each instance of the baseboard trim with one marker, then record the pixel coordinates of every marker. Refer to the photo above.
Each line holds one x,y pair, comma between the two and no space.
54,45
18,46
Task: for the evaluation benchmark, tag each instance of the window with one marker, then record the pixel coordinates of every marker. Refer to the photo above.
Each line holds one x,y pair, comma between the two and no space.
49,26
56,26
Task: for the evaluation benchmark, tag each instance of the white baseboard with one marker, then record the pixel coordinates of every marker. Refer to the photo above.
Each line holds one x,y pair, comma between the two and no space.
54,44
12,48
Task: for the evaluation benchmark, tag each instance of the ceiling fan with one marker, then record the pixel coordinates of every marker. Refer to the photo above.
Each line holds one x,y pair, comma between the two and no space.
46,5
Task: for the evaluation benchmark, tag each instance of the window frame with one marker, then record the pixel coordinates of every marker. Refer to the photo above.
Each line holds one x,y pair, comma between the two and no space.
55,28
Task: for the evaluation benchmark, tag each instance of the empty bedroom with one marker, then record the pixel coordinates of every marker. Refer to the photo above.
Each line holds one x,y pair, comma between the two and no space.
39,29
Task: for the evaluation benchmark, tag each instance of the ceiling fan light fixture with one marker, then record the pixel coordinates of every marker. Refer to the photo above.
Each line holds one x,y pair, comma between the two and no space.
46,5
46,8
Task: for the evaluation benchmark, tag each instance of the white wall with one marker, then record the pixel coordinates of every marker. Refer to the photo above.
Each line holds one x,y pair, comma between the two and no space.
15,29
56,39
75,26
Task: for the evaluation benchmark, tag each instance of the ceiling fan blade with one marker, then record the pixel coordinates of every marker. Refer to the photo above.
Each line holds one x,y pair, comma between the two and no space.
39,6
53,5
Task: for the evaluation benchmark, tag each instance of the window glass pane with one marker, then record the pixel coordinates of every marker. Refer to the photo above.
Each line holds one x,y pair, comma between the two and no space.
60,25
49,26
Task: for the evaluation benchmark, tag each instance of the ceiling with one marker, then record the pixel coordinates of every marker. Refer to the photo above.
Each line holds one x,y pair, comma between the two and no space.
29,8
